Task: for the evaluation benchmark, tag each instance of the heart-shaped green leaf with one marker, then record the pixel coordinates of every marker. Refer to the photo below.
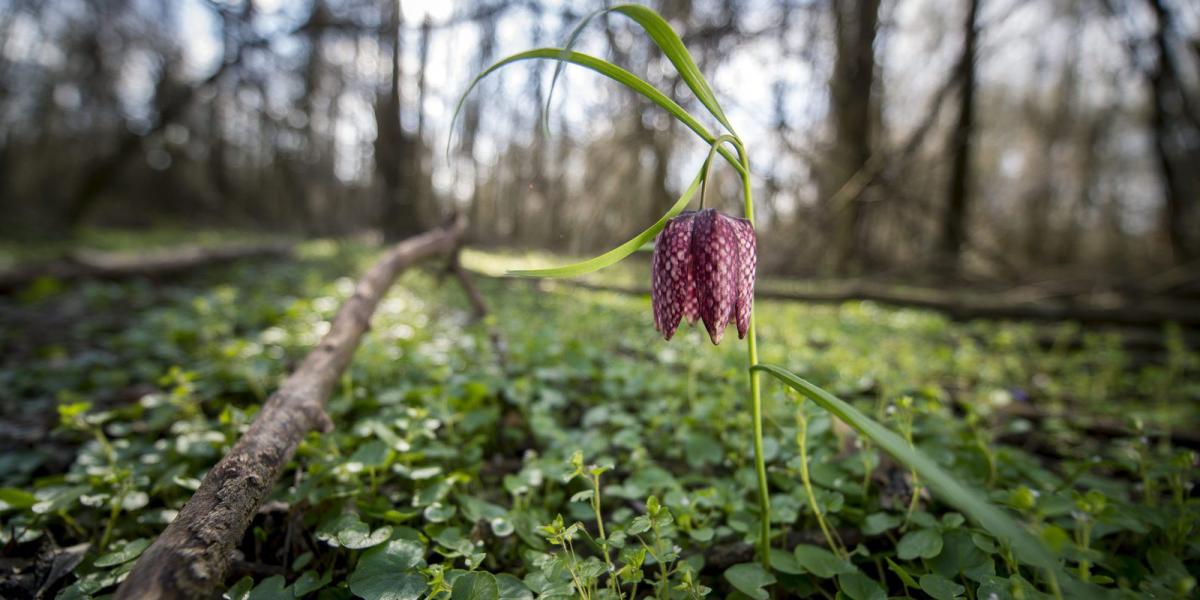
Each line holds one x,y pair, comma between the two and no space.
820,562
750,579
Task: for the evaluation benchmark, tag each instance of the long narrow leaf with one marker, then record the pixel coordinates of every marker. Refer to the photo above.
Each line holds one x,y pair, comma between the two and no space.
611,71
1028,548
668,41
616,254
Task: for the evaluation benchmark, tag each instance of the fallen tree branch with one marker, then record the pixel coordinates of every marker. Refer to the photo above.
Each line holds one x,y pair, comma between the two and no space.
191,557
104,265
480,309
478,305
1145,314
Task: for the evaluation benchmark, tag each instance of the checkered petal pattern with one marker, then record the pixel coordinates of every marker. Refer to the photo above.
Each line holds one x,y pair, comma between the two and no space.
747,264
703,267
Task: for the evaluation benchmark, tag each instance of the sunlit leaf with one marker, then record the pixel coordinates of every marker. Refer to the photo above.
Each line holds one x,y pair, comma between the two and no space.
611,71
616,254
668,41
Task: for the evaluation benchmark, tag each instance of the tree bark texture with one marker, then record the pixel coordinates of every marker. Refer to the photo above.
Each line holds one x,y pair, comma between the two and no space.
954,221
1168,97
850,89
191,557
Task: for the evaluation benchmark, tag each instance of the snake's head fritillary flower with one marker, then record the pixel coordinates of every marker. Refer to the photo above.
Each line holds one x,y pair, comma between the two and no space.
703,267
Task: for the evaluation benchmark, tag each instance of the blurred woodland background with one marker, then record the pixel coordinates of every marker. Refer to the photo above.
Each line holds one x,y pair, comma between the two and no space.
984,139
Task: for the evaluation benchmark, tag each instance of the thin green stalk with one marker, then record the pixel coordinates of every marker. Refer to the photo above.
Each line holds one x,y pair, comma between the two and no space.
760,466
569,548
110,453
987,455
1054,589
906,429
113,513
802,441
613,584
1083,539
664,576
916,496
72,523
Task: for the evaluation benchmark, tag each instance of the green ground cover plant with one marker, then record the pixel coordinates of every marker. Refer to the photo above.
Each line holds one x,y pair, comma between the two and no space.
449,475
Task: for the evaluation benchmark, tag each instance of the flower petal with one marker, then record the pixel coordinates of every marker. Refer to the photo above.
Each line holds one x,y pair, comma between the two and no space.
747,265
714,253
673,288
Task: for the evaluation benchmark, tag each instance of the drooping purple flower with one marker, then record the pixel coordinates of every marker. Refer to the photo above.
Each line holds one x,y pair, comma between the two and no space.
703,267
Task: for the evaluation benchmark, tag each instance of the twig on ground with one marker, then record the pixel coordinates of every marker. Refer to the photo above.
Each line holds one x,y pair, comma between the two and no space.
192,556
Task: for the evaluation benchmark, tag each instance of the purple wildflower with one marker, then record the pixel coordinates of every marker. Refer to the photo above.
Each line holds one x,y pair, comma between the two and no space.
703,268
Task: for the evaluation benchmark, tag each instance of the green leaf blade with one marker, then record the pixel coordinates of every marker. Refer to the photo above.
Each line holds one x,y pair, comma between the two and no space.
672,46
611,71
1026,547
620,252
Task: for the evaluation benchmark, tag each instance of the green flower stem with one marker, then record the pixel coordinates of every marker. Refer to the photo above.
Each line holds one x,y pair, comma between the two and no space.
760,466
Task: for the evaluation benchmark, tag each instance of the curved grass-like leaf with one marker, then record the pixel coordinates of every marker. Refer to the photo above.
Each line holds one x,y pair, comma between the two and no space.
668,41
611,71
1027,548
616,254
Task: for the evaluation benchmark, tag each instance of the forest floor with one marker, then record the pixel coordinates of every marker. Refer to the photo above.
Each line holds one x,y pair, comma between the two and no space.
453,456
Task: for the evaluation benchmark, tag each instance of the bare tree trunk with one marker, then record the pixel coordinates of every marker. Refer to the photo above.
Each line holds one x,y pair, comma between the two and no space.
426,30
954,220
218,162
190,558
421,167
1055,125
1179,187
481,228
855,26
392,150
